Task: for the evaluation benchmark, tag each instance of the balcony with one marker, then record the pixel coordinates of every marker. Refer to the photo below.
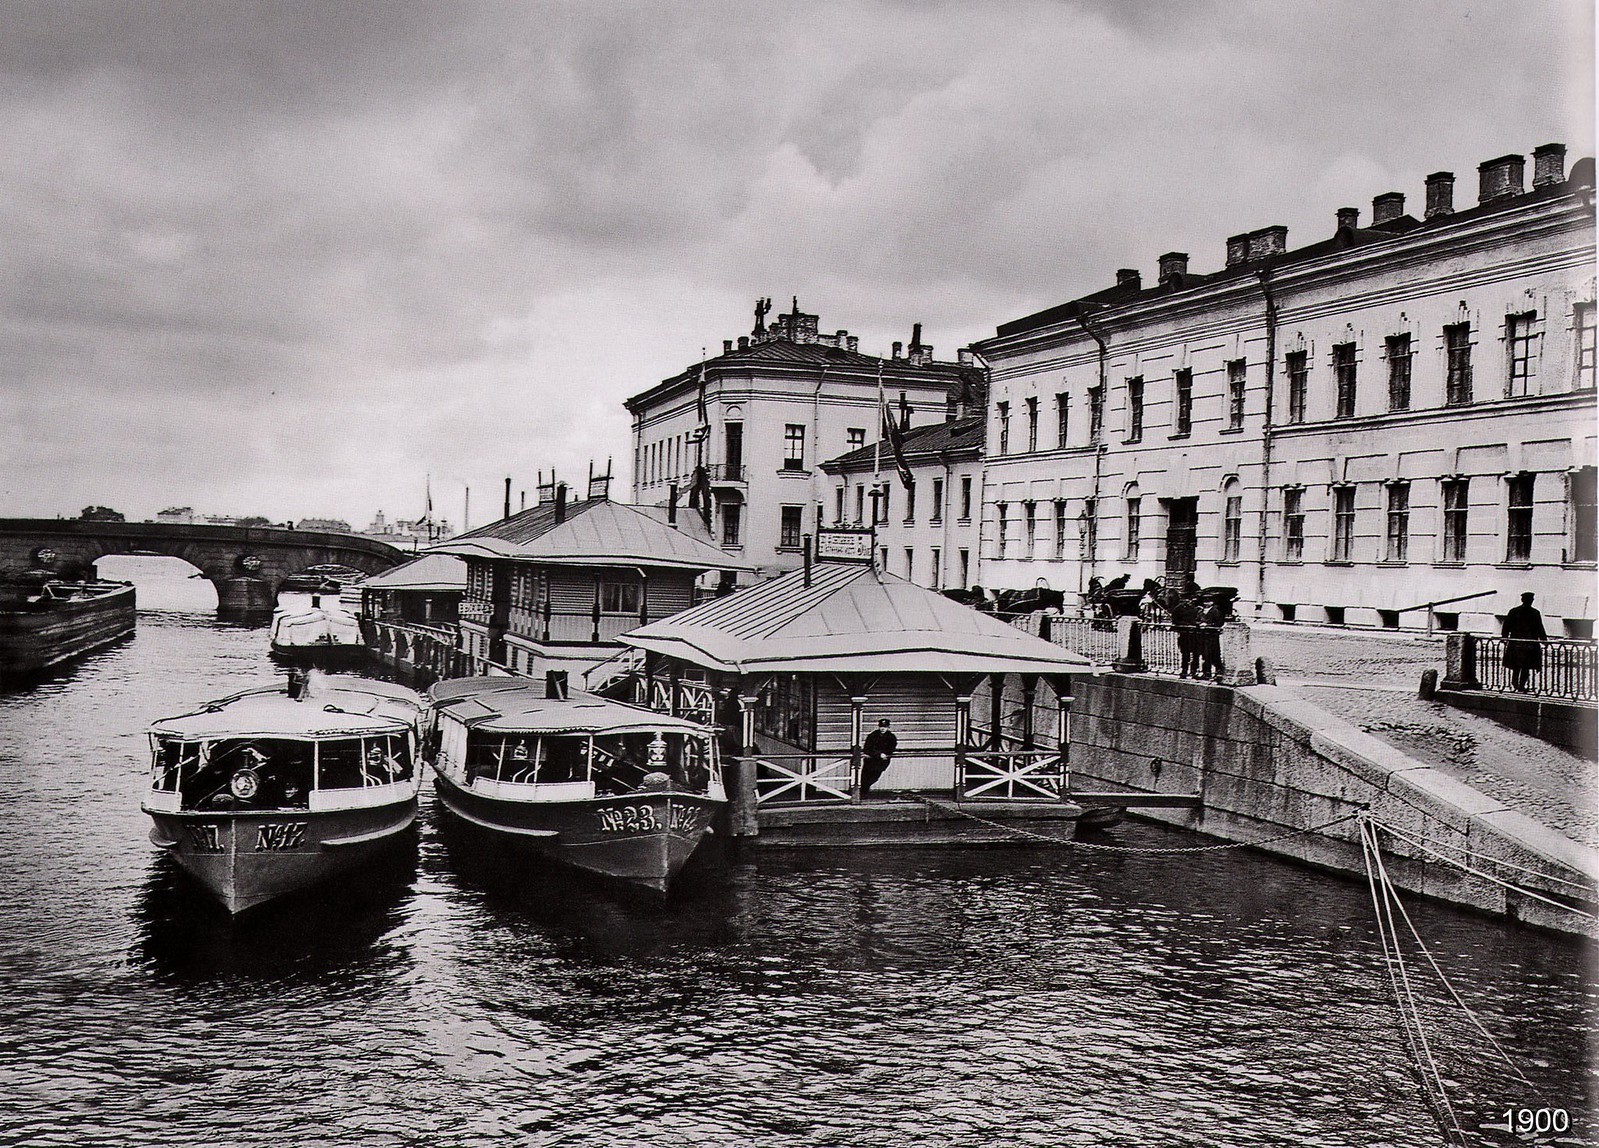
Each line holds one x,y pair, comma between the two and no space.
733,474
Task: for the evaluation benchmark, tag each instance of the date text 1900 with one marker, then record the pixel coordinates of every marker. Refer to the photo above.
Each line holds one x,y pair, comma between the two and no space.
647,819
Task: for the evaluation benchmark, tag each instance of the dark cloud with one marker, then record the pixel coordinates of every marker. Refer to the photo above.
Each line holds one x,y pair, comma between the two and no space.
289,258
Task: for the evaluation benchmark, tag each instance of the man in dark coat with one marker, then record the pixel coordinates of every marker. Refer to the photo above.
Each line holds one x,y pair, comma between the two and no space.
1524,635
876,753
1185,618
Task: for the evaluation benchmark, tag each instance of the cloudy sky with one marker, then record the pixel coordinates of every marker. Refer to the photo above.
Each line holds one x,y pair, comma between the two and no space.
288,258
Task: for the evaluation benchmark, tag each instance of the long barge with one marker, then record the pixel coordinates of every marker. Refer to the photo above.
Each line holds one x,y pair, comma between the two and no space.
46,622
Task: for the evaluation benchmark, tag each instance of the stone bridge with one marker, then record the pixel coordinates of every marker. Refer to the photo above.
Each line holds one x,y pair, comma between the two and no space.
247,564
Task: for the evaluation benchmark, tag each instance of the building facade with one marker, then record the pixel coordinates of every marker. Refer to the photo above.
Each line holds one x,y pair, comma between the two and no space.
1393,426
745,433
926,532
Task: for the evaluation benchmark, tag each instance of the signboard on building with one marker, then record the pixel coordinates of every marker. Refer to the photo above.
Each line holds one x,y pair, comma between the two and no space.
845,544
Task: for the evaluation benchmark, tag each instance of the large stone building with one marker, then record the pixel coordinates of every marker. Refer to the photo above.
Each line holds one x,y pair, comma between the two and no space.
1395,421
927,531
758,420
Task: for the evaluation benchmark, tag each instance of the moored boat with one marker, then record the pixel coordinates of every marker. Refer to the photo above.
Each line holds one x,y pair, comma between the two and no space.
46,621
270,790
597,785
317,635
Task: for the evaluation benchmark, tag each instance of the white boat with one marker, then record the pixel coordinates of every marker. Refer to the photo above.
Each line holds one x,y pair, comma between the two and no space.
270,790
316,635
608,788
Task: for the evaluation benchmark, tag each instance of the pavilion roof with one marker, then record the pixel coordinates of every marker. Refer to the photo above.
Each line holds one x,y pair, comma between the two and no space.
429,572
851,618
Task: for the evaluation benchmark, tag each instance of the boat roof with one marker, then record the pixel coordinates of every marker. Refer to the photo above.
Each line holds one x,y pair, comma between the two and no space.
333,705
849,618
515,705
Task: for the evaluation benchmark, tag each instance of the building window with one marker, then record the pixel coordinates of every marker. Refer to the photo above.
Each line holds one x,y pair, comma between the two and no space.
856,437
910,503
788,709
1232,521
1456,492
964,557
1457,353
1293,524
966,499
1583,321
1135,410
880,495
938,570
1090,528
1096,413
1343,362
910,564
1060,528
842,494
1398,372
860,504
1063,406
1343,540
788,537
1518,523
619,597
1397,548
999,510
730,523
1002,410
935,513
1183,418
1030,527
1298,365
1134,527
1235,394
794,446
1032,423
1521,337
1584,505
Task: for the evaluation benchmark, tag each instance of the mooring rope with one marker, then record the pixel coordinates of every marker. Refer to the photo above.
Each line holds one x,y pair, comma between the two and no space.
1076,844
1431,849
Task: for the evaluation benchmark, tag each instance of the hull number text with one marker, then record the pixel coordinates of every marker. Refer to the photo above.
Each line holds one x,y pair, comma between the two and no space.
272,838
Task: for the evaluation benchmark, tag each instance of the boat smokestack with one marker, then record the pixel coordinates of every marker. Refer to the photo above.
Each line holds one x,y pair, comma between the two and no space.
507,497
555,685
298,681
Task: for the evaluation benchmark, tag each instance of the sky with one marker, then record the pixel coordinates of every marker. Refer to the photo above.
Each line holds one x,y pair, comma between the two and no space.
292,259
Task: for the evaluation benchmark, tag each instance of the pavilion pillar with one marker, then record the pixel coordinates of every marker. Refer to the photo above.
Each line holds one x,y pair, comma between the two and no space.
675,687
1029,696
1062,685
741,797
857,722
996,708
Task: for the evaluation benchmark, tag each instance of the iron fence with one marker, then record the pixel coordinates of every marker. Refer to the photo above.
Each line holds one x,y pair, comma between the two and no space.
1091,638
1158,648
1568,669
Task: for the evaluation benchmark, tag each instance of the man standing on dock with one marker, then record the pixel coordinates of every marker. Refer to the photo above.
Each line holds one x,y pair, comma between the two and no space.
877,752
1524,636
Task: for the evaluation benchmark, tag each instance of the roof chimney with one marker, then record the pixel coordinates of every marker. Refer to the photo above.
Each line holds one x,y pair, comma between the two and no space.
1440,193
1348,217
1500,178
727,346
1548,165
508,497
560,503
898,348
965,357
1387,207
743,342
1237,249
1128,277
1172,265
1268,241
852,343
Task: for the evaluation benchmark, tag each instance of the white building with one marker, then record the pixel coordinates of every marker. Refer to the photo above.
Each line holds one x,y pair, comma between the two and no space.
1393,421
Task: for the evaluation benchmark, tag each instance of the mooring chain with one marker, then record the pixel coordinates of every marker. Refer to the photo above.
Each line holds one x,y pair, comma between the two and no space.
1136,848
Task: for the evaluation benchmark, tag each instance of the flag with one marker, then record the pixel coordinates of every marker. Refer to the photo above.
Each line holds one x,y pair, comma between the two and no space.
699,494
705,417
895,433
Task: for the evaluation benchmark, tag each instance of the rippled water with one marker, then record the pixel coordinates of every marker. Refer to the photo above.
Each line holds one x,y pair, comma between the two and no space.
815,997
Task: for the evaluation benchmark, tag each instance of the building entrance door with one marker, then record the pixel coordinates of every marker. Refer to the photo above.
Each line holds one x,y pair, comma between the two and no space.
1182,533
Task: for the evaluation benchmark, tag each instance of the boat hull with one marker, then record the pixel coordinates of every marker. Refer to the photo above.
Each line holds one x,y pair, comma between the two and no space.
245,859
33,641
638,839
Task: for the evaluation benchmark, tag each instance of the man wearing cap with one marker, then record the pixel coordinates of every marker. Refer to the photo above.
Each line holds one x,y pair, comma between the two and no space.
1524,636
876,753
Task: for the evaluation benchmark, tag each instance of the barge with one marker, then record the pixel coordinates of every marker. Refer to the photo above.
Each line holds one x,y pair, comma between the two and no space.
45,622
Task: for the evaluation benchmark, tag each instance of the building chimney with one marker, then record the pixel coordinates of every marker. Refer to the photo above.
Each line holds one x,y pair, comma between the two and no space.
671,505
1348,217
1390,205
1172,265
1237,249
853,343
1440,193
1548,165
507,497
898,348
743,342
727,346
964,357
560,503
1268,241
1500,178
1128,277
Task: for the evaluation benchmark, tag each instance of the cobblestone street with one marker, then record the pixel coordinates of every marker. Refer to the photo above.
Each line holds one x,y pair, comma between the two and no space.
1370,679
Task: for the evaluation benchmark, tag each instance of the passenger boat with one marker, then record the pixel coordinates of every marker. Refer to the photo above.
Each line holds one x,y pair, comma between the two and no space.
270,790
46,621
597,785
317,635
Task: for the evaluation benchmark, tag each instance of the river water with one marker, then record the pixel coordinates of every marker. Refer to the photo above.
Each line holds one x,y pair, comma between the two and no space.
808,997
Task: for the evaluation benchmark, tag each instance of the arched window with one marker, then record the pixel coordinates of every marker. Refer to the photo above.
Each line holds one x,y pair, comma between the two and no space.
1232,520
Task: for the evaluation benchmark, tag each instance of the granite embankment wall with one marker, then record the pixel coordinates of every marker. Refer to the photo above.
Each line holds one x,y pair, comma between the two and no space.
1264,762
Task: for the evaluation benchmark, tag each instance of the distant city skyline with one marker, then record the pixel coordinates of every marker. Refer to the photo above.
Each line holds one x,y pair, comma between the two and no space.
300,258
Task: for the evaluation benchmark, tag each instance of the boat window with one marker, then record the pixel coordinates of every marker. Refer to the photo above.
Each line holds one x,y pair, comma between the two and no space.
247,773
171,759
339,763
505,757
386,758
564,759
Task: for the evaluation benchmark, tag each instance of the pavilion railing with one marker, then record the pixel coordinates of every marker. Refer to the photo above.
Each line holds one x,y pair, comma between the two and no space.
811,778
1011,775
